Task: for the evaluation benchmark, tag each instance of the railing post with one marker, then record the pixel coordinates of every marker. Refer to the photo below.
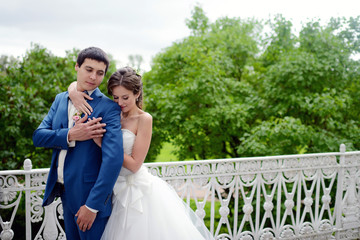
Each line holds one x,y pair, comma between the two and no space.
339,192
351,207
27,168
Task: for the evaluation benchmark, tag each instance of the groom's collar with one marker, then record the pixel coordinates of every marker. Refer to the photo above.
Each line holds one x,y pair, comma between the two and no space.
95,93
91,91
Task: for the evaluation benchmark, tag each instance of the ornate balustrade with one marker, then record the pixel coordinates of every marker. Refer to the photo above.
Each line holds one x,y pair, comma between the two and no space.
309,196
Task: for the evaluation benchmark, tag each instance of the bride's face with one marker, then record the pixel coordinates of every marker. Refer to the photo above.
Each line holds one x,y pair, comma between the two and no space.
125,98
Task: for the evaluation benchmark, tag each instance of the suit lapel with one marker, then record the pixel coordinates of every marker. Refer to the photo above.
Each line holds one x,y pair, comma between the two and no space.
63,110
96,95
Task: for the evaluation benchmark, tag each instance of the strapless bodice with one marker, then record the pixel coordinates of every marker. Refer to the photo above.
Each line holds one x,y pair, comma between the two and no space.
128,141
128,144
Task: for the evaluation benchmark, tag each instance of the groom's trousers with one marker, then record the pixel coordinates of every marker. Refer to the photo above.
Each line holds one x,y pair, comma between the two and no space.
72,230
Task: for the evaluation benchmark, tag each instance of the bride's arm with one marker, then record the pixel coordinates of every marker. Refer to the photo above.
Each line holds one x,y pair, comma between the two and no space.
78,99
141,145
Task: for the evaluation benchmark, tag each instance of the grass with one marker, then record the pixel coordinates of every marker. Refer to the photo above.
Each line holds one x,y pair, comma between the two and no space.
166,153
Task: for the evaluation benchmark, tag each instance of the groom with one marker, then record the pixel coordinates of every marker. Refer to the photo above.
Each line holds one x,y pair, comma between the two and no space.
82,173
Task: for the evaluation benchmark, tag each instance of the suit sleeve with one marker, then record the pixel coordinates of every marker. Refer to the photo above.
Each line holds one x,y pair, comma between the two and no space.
112,160
45,135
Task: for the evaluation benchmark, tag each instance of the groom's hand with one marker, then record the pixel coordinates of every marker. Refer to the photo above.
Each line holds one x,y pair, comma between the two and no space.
84,131
85,218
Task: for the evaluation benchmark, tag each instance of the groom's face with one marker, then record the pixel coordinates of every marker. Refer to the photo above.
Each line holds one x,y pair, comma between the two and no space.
90,74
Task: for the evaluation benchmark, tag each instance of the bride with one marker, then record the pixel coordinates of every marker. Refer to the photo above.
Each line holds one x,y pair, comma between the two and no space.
144,206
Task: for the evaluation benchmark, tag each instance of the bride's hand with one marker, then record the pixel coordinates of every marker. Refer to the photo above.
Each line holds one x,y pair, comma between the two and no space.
98,141
78,99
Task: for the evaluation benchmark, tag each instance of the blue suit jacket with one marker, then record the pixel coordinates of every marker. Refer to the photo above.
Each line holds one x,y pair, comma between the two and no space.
90,172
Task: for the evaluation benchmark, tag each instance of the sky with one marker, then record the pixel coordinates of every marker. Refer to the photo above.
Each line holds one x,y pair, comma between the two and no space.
137,27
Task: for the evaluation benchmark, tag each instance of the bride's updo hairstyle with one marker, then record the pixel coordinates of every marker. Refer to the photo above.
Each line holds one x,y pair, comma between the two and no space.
129,79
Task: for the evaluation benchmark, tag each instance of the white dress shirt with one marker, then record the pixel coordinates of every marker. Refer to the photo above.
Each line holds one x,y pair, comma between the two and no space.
61,160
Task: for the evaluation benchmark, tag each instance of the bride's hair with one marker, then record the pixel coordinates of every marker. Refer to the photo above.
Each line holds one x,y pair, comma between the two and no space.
129,79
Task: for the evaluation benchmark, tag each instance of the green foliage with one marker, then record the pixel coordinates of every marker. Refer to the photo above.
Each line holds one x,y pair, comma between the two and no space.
227,90
312,82
28,87
199,22
167,153
224,91
275,136
196,94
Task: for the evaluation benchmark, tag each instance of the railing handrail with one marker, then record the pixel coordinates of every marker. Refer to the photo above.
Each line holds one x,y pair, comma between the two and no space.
205,161
242,159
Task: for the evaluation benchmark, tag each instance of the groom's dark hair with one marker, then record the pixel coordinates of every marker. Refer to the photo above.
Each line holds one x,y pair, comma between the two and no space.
94,53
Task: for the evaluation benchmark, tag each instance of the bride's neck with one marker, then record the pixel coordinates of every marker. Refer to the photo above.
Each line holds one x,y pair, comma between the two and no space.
128,114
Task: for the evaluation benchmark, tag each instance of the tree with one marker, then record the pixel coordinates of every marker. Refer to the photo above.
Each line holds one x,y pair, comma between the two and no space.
199,23
197,89
307,88
224,91
135,62
6,61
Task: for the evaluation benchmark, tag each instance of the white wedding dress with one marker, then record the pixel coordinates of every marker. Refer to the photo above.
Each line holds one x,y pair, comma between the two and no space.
146,208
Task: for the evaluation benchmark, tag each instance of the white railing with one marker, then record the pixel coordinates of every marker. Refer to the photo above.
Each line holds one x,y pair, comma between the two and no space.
309,196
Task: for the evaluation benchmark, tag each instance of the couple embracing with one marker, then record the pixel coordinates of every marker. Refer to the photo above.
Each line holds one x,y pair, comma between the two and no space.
99,146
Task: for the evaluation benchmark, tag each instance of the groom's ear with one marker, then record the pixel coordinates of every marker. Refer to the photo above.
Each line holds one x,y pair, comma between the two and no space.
76,67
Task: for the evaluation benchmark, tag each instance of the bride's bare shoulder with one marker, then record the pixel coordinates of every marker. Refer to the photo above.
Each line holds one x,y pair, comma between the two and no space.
145,119
145,116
